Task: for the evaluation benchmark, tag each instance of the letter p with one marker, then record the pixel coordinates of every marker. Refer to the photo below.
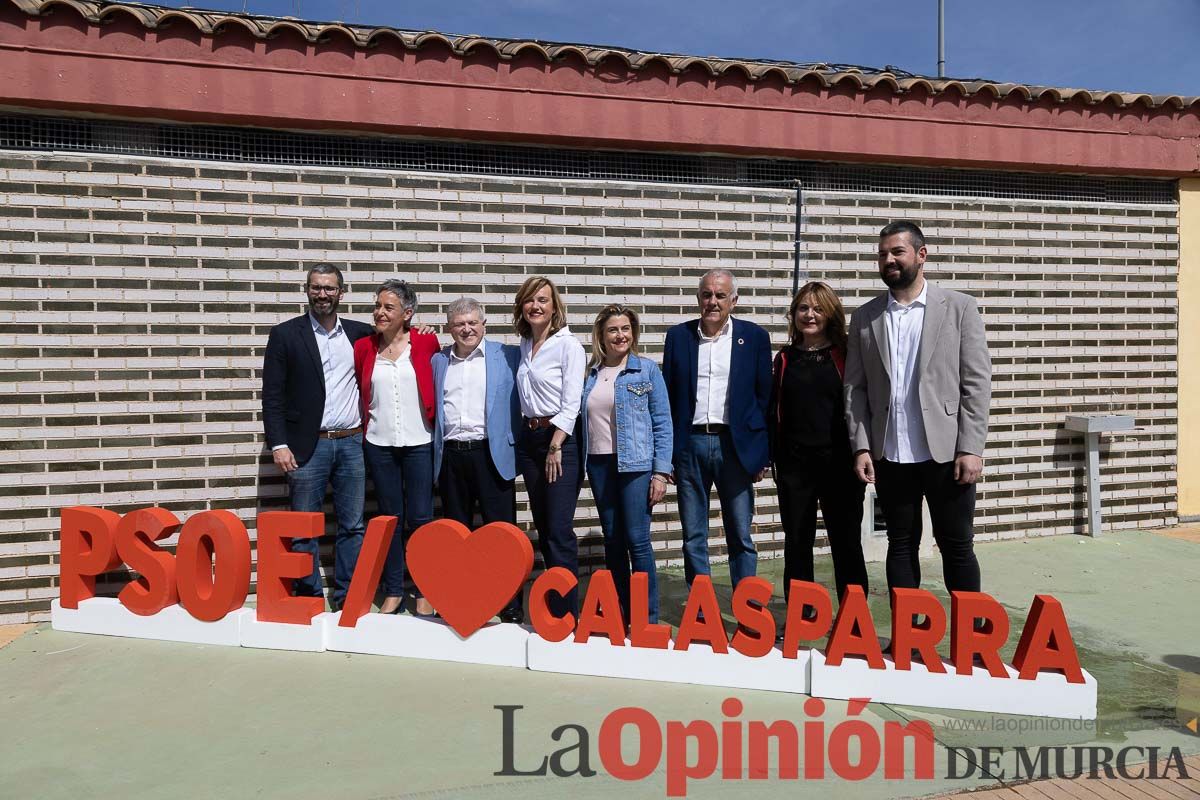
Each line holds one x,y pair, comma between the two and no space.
87,548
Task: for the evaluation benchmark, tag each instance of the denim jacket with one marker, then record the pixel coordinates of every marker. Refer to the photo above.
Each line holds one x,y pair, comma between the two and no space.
644,438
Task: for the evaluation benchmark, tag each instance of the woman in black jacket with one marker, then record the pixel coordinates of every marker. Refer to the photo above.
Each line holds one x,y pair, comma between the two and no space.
810,446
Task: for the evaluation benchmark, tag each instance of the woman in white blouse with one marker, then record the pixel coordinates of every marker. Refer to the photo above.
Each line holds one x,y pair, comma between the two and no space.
395,381
550,384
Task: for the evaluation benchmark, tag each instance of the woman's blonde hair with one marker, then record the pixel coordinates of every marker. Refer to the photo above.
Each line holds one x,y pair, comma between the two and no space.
608,312
558,319
825,298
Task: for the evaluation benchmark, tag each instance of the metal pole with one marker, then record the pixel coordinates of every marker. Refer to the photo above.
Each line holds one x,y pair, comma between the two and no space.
941,38
796,246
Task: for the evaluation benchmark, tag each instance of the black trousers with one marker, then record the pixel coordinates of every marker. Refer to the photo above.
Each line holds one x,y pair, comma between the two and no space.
469,482
553,507
900,488
805,478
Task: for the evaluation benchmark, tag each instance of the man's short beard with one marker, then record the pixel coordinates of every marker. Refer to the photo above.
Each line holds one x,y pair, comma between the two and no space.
333,306
905,279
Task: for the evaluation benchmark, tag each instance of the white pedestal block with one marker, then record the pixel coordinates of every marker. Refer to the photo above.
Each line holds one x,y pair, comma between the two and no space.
106,616
284,636
500,644
698,664
1048,696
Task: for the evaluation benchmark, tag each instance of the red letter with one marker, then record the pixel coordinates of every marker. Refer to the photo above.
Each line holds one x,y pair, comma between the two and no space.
649,743
642,633
367,570
86,548
705,736
210,592
155,587
551,628
278,567
854,631
749,607
601,612
701,600
924,637
1046,642
796,628
966,642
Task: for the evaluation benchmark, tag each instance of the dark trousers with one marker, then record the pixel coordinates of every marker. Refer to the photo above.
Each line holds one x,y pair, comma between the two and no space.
553,507
403,478
805,478
951,509
469,481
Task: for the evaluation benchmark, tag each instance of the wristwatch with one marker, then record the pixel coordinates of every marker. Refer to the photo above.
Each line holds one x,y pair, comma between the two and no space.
554,448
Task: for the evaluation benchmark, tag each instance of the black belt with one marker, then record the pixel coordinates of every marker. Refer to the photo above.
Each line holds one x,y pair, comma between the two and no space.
463,446
710,428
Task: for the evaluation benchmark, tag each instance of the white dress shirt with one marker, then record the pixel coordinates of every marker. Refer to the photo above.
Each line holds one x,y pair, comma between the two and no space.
397,416
550,384
464,396
341,390
906,442
712,376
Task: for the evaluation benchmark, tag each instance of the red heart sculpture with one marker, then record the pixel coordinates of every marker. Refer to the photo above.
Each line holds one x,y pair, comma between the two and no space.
469,576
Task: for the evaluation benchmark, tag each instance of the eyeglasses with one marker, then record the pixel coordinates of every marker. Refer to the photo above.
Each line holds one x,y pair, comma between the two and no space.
324,289
816,310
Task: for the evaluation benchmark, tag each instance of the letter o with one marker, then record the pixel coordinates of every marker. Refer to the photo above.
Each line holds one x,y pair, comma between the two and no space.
650,740
210,592
868,749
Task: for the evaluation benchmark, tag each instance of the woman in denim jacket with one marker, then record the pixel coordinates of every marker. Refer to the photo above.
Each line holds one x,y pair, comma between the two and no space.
627,439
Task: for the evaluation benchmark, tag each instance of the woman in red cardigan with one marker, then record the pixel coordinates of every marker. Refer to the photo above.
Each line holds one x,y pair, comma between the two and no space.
810,446
395,382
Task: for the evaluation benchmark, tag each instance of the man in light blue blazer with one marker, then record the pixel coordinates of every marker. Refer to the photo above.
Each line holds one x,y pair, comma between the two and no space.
476,412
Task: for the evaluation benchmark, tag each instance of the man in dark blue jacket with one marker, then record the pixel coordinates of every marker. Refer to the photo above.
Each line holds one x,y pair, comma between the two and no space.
312,416
718,373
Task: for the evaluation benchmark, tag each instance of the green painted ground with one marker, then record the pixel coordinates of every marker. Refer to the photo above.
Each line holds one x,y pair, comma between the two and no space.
105,717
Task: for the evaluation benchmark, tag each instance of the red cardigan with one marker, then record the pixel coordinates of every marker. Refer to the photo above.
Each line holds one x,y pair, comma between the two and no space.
423,347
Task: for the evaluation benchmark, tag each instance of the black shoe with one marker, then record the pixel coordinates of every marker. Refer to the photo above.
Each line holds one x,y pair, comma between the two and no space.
509,615
335,606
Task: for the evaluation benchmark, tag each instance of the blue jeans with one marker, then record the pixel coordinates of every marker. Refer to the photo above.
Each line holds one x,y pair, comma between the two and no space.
338,462
709,459
403,478
623,504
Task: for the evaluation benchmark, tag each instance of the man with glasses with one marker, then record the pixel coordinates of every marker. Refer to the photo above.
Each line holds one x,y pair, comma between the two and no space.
476,413
312,416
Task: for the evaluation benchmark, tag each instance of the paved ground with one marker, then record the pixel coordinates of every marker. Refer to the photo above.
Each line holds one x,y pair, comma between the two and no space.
106,717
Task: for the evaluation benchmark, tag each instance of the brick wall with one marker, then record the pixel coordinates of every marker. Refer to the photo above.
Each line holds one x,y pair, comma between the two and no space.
137,293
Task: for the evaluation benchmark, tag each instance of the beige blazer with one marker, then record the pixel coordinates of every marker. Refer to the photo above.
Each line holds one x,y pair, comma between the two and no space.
954,376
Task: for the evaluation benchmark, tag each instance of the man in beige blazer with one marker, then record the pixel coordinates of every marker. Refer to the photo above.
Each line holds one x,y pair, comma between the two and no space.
918,383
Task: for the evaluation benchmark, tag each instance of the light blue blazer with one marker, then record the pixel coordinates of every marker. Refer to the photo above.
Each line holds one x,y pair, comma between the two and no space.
502,409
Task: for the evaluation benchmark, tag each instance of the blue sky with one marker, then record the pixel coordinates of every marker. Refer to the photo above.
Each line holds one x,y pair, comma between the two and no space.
1146,46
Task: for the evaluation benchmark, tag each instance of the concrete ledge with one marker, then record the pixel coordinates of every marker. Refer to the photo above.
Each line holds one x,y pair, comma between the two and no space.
499,644
106,616
697,665
284,636
1048,696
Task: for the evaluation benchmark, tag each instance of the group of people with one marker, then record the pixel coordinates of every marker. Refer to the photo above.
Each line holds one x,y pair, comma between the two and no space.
899,400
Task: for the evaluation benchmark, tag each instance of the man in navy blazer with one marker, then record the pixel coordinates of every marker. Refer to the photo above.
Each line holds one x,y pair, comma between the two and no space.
476,412
312,417
718,373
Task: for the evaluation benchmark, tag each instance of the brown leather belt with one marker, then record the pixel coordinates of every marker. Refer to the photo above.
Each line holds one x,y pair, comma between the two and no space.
710,428
342,434
538,423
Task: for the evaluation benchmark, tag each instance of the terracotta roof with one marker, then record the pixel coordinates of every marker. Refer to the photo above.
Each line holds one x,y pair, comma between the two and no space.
899,81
